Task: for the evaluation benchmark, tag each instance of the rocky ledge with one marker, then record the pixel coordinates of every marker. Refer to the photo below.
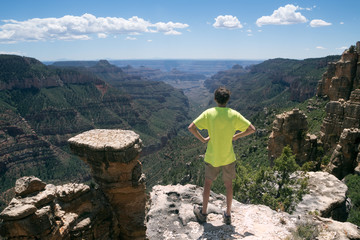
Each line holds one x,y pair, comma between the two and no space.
171,214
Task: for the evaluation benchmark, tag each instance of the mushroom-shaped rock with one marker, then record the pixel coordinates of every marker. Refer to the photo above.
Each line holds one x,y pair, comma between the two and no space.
113,158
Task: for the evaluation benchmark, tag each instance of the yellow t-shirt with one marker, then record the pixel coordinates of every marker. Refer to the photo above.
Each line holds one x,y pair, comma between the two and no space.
221,123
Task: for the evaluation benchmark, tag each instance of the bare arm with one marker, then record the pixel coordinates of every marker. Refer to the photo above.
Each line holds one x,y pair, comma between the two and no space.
250,130
193,129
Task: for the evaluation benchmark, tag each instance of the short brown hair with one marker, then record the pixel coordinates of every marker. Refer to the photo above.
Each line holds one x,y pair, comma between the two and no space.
222,95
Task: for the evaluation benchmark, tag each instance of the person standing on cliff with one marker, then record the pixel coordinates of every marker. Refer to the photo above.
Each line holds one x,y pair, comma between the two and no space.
222,124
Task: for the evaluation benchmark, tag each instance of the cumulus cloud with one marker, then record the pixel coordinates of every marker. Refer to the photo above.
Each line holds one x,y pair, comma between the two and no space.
319,23
168,28
341,23
227,21
282,16
80,27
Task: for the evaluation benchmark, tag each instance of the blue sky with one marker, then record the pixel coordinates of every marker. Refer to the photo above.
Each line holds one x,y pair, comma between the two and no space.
177,29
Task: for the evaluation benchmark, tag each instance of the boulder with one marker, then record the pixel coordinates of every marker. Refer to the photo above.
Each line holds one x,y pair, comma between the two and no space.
326,197
28,185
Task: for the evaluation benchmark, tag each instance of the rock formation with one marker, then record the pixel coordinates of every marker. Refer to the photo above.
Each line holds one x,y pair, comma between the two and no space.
341,114
341,77
339,137
74,211
346,156
113,158
340,128
290,128
45,211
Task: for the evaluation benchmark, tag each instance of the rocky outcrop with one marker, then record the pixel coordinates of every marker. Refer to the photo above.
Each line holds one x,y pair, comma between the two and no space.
113,158
338,134
289,128
171,214
45,211
346,156
342,77
326,197
340,115
341,84
116,209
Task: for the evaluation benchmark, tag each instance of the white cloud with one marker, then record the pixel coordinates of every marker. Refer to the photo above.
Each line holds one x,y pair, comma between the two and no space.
308,8
80,27
320,47
342,48
249,30
341,23
282,16
130,38
319,23
149,40
250,35
227,21
168,28
172,32
102,35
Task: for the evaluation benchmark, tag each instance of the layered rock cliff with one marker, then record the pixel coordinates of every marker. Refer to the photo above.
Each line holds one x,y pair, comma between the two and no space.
340,128
38,115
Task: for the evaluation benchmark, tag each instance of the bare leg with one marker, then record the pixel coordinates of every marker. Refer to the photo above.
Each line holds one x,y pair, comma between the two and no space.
229,196
206,194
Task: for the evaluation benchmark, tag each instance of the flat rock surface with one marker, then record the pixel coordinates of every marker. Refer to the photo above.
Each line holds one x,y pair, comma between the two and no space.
326,192
105,139
171,217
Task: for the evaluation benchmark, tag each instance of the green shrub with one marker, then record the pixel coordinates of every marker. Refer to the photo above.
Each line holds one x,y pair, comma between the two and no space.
271,186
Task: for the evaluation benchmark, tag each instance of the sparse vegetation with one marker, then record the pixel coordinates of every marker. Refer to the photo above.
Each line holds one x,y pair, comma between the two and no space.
305,231
275,187
353,183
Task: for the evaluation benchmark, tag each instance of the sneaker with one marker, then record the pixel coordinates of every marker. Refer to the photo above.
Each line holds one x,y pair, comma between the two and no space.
199,215
227,218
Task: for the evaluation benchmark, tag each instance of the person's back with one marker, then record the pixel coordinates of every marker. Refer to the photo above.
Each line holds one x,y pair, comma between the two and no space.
222,124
